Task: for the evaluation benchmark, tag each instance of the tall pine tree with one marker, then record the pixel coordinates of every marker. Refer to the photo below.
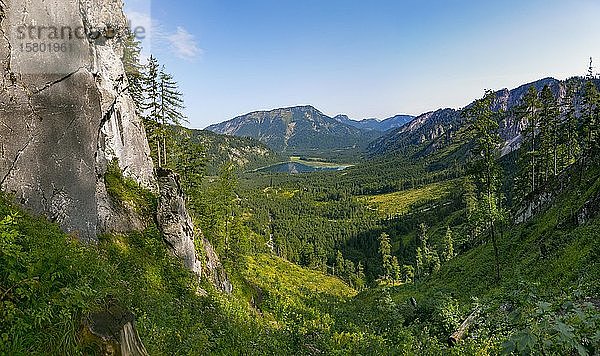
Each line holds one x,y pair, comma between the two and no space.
385,249
486,170
529,112
135,72
549,133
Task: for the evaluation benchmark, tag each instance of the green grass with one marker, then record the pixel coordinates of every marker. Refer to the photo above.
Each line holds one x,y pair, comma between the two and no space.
287,279
129,193
548,261
399,203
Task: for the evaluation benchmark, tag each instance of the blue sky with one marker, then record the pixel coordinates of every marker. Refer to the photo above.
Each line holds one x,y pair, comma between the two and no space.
362,58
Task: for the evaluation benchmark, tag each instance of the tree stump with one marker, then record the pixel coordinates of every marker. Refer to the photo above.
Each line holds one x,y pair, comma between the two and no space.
113,332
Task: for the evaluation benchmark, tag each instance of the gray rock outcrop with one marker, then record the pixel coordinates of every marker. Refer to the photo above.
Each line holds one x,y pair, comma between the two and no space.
589,210
65,115
178,231
174,221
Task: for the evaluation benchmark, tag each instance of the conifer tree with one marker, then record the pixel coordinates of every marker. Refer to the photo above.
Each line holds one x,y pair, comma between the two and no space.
549,133
448,252
153,119
419,263
408,274
360,276
590,113
569,135
189,160
486,170
171,107
339,264
135,72
164,106
385,249
529,112
396,271
350,275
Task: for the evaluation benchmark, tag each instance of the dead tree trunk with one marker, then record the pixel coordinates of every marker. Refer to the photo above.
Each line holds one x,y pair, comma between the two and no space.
460,333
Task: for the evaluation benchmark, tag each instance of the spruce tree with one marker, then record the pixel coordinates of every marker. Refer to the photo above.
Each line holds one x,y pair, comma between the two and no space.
549,133
484,123
339,264
135,72
408,274
590,112
385,249
171,107
153,119
448,252
350,275
189,160
568,133
396,271
529,112
164,109
360,276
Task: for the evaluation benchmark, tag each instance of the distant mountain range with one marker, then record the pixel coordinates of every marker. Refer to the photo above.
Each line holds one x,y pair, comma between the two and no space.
438,128
298,130
376,124
304,129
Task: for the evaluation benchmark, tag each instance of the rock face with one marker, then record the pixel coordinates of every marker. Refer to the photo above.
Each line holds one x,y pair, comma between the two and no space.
178,231
214,269
64,116
589,210
174,221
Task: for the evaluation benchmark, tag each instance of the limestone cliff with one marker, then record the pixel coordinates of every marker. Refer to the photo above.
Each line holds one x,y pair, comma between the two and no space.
178,231
65,114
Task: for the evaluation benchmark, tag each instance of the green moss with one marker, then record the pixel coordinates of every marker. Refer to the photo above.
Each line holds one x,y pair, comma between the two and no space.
128,192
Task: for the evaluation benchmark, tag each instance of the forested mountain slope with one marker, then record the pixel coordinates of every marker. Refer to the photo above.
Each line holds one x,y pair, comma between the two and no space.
437,127
244,153
297,130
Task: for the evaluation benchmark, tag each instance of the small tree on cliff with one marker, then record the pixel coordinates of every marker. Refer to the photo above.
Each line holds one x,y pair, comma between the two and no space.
135,72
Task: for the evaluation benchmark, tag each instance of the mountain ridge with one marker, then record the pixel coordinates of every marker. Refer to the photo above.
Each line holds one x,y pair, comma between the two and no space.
296,129
432,126
374,124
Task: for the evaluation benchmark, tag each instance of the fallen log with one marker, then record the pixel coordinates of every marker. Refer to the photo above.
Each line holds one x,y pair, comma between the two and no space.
460,333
